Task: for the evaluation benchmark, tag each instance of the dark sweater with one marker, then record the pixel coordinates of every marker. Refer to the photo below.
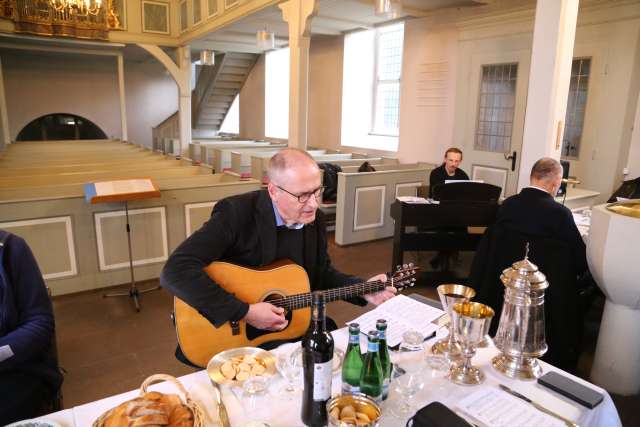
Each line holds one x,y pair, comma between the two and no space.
439,175
26,316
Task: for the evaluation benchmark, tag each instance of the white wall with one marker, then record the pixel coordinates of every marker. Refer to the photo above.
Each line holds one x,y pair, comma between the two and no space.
38,84
633,164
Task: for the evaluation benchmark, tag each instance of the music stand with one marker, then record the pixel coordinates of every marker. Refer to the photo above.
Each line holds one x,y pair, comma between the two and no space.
124,190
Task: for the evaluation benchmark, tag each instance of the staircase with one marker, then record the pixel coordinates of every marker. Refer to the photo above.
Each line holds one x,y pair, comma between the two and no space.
217,87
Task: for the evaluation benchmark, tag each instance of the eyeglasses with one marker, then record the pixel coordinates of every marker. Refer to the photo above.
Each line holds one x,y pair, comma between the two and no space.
304,197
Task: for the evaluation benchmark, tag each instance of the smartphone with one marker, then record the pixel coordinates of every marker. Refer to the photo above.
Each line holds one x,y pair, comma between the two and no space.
573,390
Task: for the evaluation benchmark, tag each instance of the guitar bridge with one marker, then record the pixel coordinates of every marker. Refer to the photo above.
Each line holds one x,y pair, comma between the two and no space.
235,327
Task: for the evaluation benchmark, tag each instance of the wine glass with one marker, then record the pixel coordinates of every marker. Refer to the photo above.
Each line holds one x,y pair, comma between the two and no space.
437,370
408,380
289,364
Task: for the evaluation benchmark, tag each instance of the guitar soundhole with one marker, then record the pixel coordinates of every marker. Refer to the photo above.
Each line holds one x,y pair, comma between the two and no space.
253,333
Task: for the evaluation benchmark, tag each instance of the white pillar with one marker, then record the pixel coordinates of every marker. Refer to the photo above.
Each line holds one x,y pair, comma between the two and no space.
298,13
552,52
4,114
123,108
184,107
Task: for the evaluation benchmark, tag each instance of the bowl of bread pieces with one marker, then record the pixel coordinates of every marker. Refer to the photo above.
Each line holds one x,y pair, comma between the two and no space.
239,364
153,408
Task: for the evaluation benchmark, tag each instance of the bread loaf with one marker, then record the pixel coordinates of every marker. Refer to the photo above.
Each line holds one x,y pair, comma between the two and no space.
152,409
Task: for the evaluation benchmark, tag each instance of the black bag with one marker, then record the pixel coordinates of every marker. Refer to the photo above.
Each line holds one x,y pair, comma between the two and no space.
435,414
629,190
330,181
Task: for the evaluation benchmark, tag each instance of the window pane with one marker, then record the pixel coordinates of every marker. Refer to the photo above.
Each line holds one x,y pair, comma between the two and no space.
276,94
387,108
197,12
576,106
390,52
496,106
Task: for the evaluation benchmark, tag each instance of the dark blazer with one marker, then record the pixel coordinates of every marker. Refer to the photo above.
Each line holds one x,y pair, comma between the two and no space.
26,315
242,230
499,249
534,211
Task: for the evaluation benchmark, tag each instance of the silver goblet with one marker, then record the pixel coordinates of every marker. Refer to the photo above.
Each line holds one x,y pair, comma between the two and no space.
451,294
471,321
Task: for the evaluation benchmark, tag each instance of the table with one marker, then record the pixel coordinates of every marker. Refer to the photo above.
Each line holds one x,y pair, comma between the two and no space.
282,413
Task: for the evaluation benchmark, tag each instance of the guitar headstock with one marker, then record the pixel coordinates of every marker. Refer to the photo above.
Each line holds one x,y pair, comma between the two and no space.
404,276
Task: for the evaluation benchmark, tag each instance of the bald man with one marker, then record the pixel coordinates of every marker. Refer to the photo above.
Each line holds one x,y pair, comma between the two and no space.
256,229
535,211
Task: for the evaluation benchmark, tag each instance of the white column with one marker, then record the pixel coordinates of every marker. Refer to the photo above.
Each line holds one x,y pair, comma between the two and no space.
4,114
552,52
123,108
184,106
298,13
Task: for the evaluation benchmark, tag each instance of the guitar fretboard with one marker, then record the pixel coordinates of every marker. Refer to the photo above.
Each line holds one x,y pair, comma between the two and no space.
294,302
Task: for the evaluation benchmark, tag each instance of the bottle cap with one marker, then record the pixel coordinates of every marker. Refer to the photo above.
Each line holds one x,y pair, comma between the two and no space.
354,328
373,335
381,324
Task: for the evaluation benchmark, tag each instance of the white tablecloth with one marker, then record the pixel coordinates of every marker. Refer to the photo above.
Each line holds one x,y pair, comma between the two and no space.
278,412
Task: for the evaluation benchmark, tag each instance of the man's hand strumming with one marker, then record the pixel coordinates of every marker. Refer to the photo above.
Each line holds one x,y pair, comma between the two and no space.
266,316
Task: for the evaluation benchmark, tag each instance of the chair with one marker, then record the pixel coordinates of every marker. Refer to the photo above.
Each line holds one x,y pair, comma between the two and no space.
499,248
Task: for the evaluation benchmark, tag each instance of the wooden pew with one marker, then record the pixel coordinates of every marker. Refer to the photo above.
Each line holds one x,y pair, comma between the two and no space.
364,199
221,157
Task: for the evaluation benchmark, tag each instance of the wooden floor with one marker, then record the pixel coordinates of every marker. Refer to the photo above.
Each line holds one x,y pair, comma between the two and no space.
107,348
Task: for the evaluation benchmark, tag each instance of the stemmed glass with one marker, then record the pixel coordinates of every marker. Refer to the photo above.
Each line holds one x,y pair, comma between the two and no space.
408,380
289,364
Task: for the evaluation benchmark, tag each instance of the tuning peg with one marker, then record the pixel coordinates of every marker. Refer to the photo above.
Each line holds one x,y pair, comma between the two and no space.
404,265
410,265
398,267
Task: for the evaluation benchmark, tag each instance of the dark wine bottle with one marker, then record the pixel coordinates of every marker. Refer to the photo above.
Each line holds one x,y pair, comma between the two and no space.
317,362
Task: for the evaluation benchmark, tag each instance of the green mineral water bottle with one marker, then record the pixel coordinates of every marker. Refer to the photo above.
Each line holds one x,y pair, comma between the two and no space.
385,360
371,379
352,366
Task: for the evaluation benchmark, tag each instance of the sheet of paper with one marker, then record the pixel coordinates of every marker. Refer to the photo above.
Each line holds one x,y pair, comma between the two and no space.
401,313
496,408
5,352
413,200
108,188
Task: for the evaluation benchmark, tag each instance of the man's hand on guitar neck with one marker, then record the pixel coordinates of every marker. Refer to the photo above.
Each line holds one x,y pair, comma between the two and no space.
266,316
380,297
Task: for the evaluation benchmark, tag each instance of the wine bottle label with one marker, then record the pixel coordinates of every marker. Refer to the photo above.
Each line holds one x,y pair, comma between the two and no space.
372,347
322,380
354,339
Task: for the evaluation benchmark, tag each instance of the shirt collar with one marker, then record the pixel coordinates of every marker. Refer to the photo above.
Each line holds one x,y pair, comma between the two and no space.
538,188
280,222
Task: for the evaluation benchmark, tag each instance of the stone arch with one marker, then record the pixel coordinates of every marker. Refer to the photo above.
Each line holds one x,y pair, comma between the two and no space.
60,126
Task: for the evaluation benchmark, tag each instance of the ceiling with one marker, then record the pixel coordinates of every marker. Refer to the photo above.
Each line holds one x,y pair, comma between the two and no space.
334,17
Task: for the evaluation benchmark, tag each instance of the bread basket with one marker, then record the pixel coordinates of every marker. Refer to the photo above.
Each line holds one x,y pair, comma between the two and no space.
198,414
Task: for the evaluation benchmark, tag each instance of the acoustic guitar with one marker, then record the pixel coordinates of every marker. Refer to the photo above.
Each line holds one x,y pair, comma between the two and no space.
282,284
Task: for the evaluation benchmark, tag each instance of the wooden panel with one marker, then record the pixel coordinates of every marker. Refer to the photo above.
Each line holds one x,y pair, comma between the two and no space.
51,241
148,237
196,214
369,212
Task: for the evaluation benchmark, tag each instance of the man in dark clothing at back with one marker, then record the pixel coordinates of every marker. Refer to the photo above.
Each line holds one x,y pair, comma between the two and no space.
535,211
29,374
449,170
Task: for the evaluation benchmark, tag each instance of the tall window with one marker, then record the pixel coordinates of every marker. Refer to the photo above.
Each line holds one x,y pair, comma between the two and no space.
496,107
576,106
276,94
386,116
372,67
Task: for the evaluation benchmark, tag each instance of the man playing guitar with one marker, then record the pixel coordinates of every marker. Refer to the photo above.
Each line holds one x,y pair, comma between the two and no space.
254,230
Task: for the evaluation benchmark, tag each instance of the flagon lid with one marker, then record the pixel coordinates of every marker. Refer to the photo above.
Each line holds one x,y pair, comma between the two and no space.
524,275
